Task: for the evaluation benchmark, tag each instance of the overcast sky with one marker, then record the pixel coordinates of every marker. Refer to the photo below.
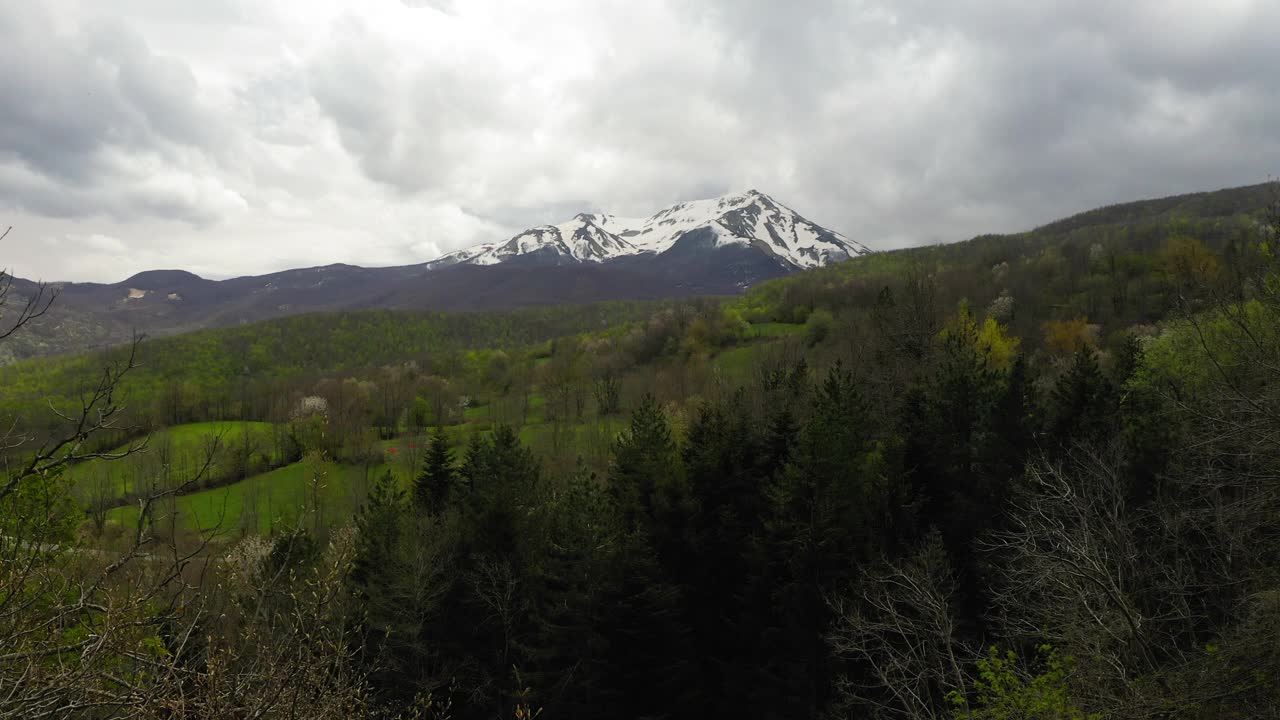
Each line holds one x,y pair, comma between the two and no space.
234,137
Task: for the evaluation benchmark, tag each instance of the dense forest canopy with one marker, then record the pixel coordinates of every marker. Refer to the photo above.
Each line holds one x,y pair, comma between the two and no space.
1022,476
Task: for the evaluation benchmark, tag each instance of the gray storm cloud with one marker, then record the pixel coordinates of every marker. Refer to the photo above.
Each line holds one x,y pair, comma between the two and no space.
241,137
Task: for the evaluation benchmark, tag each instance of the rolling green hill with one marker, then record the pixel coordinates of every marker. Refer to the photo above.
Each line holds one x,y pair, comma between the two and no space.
1021,475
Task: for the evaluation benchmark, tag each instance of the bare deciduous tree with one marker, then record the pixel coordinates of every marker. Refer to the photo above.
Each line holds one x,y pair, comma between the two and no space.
897,626
1135,588
163,627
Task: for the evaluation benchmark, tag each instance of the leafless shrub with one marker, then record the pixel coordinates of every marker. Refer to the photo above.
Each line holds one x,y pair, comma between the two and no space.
898,626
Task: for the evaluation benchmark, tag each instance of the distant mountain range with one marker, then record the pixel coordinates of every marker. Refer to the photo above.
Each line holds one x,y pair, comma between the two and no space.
704,247
747,220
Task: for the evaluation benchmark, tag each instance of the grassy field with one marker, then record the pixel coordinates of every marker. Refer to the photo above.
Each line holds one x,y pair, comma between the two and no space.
314,490
590,438
284,497
296,493
175,453
739,364
776,329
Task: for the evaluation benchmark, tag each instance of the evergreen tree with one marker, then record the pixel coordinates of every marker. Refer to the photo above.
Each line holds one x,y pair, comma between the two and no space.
380,524
784,391
377,574
649,486
723,459
647,478
829,509
1015,422
504,476
1128,358
1083,402
483,628
646,642
779,438
434,483
966,431
567,648
960,396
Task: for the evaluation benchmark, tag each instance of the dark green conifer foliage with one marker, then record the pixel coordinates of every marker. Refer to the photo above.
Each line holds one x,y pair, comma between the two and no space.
567,647
828,509
435,482
505,477
946,429
1083,403
1015,424
646,642
779,438
1128,358
380,524
1146,433
482,627
649,486
647,477
723,459
377,573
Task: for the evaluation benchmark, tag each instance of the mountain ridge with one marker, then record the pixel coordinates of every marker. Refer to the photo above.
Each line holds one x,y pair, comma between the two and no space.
96,315
749,218
718,246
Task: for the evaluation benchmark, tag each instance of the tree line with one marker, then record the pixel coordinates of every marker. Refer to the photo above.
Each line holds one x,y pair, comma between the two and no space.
931,508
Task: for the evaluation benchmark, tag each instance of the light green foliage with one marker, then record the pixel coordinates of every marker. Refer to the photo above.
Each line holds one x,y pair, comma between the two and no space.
1191,354
988,338
40,508
1105,265
999,347
818,326
183,447
775,329
214,360
737,365
1005,690
262,503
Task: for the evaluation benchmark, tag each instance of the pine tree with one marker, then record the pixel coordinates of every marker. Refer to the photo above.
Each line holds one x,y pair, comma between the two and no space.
647,477
729,463
567,649
650,490
380,524
645,639
434,484
503,478
1083,402
1014,422
376,574
779,439
486,623
828,509
1128,359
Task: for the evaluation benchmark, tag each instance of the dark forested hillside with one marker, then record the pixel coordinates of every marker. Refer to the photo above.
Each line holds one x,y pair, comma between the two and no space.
1023,476
1218,204
1117,267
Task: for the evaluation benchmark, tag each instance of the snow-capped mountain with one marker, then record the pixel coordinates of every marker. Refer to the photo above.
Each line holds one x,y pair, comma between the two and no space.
745,220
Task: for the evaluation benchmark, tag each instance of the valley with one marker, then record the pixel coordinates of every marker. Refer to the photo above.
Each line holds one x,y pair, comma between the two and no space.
719,246
580,360
548,506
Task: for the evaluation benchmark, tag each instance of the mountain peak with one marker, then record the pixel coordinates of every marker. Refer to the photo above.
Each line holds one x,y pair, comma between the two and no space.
161,279
750,219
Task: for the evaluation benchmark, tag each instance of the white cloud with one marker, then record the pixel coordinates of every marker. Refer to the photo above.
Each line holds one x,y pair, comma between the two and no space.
232,137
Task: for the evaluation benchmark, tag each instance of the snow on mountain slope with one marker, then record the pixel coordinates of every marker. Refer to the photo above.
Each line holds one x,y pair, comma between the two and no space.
751,218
